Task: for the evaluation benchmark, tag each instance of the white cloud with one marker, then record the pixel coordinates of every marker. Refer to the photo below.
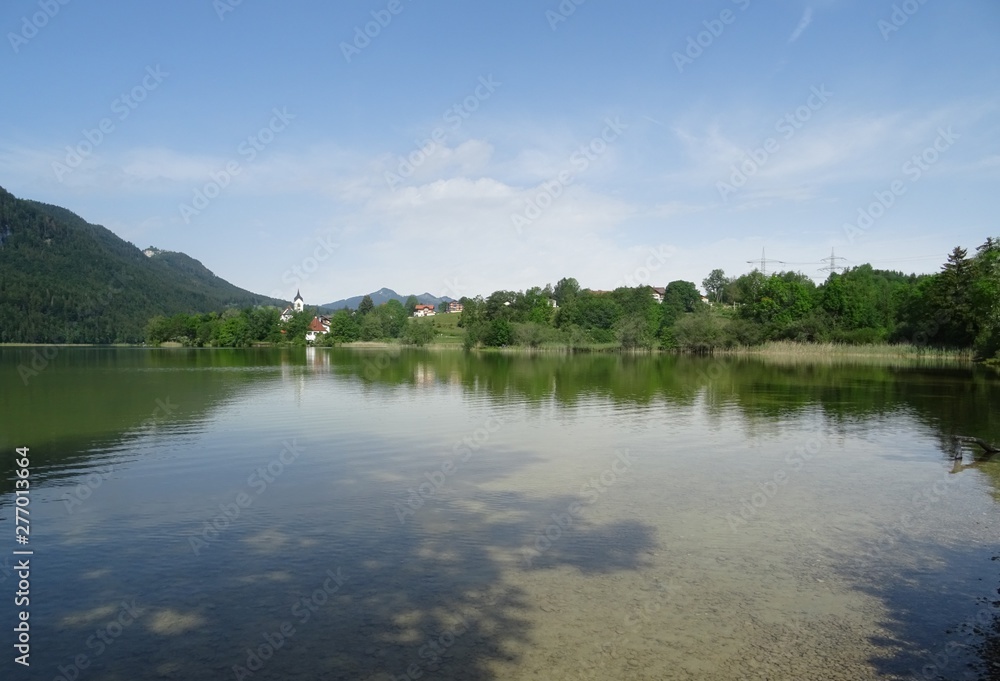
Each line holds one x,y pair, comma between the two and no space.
448,227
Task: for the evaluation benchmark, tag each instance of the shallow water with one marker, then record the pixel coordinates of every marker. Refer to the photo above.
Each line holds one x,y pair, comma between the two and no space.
337,514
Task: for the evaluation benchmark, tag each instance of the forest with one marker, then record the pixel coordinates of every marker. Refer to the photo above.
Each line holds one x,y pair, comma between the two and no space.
64,280
958,307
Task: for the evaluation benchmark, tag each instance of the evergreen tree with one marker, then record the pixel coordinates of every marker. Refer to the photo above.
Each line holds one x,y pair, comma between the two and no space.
365,306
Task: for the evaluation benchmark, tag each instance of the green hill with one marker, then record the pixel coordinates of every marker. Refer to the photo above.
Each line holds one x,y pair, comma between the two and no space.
64,280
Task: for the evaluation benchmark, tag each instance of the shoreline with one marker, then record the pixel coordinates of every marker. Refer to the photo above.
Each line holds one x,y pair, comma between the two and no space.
775,349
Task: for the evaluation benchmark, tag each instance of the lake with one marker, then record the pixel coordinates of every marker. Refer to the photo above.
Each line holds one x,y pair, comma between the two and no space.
386,514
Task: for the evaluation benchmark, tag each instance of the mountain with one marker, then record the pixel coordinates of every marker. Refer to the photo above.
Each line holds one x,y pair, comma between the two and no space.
384,295
64,280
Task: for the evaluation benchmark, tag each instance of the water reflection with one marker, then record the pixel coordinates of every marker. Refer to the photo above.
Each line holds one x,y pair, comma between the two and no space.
523,560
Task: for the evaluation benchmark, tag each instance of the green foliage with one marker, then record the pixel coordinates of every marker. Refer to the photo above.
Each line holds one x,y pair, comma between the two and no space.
385,321
234,332
500,333
778,301
702,332
566,290
633,332
473,312
532,334
715,285
419,333
679,297
344,327
365,306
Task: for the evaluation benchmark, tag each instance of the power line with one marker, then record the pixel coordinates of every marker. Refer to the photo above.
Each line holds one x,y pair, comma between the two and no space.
919,257
833,266
763,262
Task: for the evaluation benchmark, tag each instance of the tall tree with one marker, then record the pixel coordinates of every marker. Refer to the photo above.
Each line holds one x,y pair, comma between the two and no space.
679,297
566,289
411,304
365,306
951,299
715,285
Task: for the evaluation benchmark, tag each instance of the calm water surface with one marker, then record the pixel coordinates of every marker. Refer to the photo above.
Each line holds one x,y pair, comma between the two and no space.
338,514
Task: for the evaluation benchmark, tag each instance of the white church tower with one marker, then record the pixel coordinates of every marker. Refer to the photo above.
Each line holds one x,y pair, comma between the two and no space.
298,303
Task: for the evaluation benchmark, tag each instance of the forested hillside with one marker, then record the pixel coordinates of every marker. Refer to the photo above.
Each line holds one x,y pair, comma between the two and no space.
64,280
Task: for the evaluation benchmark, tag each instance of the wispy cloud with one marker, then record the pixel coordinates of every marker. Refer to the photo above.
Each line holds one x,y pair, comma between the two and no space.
804,22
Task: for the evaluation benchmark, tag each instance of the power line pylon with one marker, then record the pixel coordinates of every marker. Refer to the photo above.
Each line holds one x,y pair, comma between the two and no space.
833,266
762,263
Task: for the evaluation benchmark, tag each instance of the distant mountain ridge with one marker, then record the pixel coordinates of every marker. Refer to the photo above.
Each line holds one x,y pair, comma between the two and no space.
64,280
384,295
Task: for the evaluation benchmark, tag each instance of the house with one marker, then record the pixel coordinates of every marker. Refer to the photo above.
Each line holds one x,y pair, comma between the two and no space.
658,293
298,304
422,310
319,326
455,306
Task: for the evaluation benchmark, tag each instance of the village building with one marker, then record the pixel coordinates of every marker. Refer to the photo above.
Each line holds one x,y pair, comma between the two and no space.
298,304
319,326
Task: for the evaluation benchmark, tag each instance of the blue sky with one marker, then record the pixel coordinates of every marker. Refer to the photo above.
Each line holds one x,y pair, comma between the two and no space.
462,147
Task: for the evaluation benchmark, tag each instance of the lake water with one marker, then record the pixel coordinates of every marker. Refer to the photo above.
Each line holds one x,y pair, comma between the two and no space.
374,514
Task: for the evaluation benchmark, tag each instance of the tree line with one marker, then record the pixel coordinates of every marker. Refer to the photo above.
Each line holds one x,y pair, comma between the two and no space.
262,325
958,307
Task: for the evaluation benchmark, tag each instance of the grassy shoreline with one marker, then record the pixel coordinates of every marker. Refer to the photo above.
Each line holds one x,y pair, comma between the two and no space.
886,350
784,349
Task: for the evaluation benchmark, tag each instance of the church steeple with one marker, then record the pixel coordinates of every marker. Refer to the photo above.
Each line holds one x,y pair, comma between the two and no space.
298,302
